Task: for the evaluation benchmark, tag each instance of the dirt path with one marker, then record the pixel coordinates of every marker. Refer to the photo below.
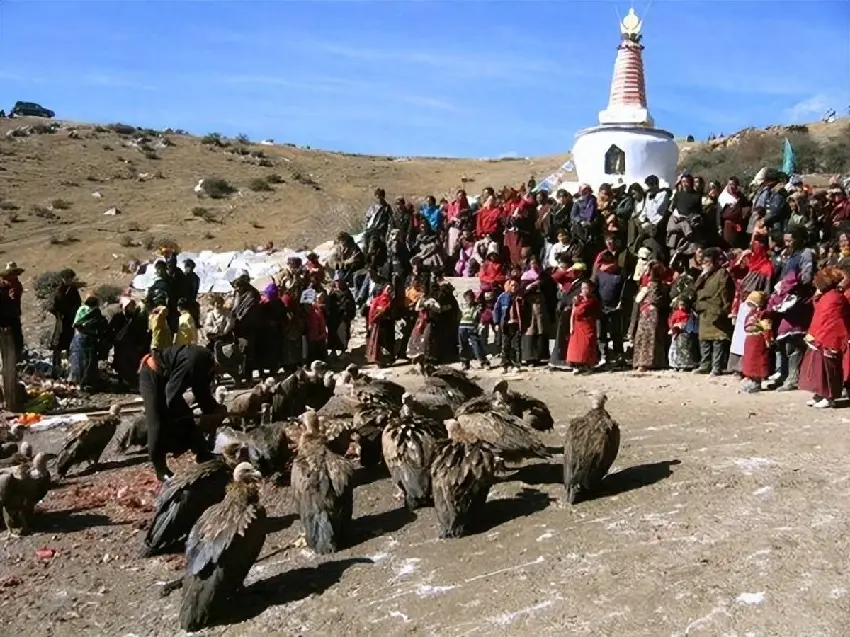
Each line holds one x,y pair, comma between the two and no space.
727,517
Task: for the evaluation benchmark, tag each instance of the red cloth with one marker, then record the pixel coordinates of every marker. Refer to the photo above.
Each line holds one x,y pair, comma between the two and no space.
317,329
564,278
492,274
755,363
830,325
379,306
488,221
583,347
456,207
678,318
822,375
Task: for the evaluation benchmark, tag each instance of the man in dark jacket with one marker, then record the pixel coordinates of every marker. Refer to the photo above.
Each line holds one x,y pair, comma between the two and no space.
773,198
163,378
63,306
378,218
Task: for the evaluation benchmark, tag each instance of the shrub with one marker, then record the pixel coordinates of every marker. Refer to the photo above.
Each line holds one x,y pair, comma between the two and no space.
159,242
149,154
8,205
43,129
123,129
217,188
265,163
108,294
274,178
307,180
60,204
69,183
259,185
43,213
242,138
204,213
46,284
126,241
134,227
259,154
62,239
214,139
100,129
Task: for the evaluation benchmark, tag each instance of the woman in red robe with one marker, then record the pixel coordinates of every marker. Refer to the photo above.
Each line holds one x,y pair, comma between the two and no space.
488,219
821,371
755,363
380,347
583,347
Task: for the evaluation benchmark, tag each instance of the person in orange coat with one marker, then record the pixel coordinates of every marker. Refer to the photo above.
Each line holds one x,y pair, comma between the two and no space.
821,371
583,346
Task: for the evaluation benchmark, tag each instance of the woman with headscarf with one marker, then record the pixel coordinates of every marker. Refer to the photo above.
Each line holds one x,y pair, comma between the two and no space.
752,272
755,363
821,371
129,335
90,328
583,347
650,335
570,287
63,306
457,209
519,228
272,319
380,345
534,343
734,214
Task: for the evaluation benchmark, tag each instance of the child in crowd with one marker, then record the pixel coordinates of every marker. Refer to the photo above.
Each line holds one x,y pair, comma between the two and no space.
469,337
755,364
507,317
583,346
683,343
187,329
161,337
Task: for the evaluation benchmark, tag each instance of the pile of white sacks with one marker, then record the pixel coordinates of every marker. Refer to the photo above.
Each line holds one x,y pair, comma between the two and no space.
217,269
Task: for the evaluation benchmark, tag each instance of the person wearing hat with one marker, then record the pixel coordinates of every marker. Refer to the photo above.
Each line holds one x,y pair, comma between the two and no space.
63,306
128,333
191,289
715,291
773,199
161,290
9,278
246,321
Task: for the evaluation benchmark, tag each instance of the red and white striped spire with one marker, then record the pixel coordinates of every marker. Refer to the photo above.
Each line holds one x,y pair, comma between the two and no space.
627,101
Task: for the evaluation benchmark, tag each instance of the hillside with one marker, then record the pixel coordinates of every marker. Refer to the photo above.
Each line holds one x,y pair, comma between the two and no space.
57,179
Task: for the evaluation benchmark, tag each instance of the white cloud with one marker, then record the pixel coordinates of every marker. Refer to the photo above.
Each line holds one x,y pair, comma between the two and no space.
810,108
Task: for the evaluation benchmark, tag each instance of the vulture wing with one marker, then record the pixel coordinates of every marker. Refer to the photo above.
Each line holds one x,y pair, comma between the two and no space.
504,432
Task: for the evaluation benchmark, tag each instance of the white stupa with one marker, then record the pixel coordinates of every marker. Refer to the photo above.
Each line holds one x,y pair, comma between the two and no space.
626,147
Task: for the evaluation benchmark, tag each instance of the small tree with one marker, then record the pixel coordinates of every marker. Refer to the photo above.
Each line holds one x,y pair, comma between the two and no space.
259,185
242,138
217,188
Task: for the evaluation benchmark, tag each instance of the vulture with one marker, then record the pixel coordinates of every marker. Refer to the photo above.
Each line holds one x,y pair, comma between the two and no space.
508,437
244,407
408,444
323,489
221,548
532,411
87,441
461,476
12,433
339,406
270,447
369,423
372,390
590,449
431,406
454,385
20,452
21,488
132,434
184,498
302,389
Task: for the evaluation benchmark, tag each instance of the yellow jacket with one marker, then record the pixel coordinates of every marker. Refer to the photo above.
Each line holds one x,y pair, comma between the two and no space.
187,331
160,332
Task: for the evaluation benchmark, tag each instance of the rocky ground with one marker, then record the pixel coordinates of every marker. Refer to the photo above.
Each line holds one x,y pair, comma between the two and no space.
726,515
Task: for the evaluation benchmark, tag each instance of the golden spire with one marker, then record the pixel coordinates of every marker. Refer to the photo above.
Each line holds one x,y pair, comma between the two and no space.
631,25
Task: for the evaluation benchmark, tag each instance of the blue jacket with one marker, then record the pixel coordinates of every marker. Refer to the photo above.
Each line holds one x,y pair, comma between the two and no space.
502,307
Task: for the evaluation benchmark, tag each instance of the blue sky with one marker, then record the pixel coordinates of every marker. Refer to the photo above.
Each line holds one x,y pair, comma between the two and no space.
420,77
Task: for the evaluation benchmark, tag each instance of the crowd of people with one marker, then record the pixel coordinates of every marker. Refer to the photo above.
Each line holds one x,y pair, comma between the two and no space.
709,278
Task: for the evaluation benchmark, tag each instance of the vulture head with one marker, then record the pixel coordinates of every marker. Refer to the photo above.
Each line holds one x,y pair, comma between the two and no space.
115,410
501,389
452,426
349,374
246,473
234,452
265,413
599,399
25,449
317,369
16,432
311,422
330,380
220,394
39,465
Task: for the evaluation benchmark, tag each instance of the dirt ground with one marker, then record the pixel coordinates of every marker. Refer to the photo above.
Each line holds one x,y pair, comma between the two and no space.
726,515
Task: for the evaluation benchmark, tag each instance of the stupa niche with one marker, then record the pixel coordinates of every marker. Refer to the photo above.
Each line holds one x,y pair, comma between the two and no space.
626,147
